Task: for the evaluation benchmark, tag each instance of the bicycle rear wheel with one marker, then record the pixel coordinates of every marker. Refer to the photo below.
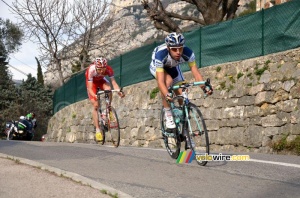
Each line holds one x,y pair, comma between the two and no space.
197,133
113,127
171,140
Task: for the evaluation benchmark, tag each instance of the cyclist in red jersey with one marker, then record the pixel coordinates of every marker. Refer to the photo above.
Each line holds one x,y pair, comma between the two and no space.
95,77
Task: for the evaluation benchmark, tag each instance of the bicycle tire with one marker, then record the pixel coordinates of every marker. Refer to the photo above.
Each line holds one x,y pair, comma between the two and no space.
172,144
197,133
102,126
113,127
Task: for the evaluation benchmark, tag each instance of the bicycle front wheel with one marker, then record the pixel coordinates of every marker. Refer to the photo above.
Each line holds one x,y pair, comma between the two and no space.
171,140
113,132
197,133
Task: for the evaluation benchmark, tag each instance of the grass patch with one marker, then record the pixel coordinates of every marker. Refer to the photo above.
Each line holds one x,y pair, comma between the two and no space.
154,92
239,75
218,69
223,85
283,145
231,87
231,78
267,62
259,72
108,193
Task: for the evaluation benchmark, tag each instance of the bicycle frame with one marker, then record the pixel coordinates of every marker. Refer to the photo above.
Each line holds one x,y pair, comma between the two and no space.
185,102
192,130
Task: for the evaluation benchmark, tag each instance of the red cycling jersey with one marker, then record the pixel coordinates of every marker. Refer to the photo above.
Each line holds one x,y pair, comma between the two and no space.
98,80
93,76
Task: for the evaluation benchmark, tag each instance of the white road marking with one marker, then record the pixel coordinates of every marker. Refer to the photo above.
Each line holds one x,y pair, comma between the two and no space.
276,163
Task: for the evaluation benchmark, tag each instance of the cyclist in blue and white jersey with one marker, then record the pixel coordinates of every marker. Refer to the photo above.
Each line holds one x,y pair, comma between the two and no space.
165,67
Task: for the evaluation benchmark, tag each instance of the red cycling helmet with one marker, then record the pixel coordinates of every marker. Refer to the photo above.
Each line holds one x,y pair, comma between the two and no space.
100,62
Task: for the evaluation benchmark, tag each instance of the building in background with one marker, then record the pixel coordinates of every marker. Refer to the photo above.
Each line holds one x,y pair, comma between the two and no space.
264,4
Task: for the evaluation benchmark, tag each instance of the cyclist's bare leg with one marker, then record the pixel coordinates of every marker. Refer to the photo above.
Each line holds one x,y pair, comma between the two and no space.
179,92
106,86
168,82
95,114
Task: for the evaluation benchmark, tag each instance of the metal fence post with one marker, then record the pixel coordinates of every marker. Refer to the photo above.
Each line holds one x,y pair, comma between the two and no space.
200,43
262,32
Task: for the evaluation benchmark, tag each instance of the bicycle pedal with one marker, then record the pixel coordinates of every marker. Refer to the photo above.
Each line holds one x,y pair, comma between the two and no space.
182,138
167,134
171,130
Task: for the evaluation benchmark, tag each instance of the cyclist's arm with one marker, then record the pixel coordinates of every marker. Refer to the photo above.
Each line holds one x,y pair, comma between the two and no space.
196,73
116,86
114,83
90,88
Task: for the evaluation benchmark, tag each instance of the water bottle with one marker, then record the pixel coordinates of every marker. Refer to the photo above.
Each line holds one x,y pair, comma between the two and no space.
177,114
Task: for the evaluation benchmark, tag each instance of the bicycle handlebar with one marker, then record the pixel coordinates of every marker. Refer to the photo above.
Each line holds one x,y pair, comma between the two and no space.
108,91
206,83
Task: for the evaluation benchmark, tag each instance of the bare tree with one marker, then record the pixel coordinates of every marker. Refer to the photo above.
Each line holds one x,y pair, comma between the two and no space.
90,17
212,11
63,30
44,23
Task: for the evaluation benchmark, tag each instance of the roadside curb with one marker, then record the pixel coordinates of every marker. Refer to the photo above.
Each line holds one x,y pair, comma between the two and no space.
70,175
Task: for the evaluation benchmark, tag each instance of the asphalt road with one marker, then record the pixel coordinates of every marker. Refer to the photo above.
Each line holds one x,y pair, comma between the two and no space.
140,172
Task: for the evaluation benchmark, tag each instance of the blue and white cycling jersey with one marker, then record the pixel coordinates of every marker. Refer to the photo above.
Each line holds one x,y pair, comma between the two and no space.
162,61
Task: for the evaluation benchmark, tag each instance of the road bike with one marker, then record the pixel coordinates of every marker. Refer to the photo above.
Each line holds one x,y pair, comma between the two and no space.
108,118
190,125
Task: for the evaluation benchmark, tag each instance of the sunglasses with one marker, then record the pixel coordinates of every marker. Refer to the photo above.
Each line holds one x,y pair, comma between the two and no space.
99,68
176,49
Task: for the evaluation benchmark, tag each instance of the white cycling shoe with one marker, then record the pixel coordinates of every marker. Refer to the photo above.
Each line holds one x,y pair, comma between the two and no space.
170,124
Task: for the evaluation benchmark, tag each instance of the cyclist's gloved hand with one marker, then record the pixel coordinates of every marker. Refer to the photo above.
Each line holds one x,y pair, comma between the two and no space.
208,89
121,93
168,97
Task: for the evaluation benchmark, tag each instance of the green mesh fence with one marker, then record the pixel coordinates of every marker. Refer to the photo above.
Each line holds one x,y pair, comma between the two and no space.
268,31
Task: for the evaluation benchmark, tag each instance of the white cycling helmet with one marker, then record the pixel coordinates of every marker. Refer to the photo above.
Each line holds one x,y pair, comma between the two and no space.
175,40
100,62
